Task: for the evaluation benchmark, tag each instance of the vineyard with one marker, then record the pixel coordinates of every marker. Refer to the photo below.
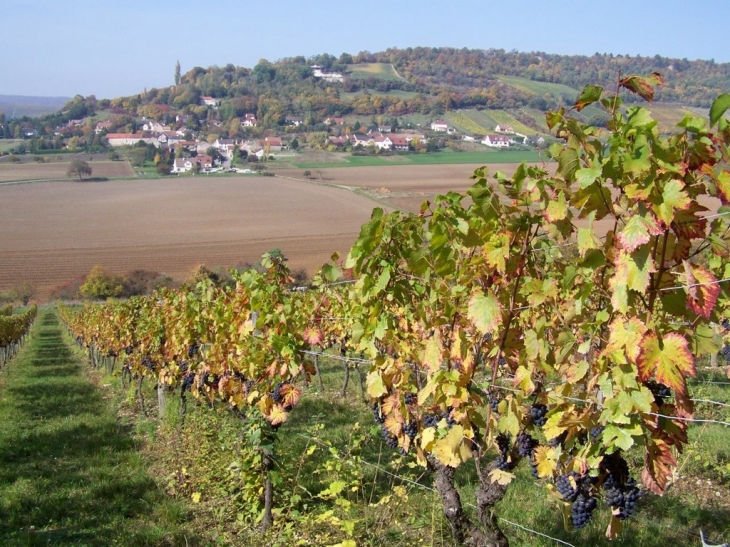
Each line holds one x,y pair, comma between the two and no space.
13,330
490,337
466,124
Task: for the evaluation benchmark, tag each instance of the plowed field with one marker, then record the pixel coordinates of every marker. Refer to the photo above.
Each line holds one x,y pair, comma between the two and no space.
52,232
46,171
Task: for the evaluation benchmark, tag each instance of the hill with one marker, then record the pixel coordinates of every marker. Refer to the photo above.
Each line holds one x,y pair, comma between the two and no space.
402,88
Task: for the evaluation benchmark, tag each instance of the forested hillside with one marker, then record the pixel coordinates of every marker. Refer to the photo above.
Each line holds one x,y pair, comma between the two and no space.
399,87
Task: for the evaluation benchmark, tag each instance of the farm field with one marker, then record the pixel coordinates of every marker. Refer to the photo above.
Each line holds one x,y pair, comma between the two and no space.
57,231
382,71
47,171
445,157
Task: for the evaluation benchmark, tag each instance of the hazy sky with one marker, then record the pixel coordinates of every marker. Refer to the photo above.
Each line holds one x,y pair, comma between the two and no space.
111,48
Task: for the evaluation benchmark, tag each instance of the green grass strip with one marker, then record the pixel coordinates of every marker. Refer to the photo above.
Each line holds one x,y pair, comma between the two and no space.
70,472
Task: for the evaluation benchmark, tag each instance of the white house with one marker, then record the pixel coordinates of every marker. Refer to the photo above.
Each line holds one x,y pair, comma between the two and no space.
504,128
439,125
249,120
130,139
102,126
318,72
183,165
496,141
209,101
155,127
293,120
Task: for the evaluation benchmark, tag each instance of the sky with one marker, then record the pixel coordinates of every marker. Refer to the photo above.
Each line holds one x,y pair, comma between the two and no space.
112,48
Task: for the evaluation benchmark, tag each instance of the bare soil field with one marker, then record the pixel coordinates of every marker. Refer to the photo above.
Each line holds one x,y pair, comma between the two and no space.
52,232
56,231
45,171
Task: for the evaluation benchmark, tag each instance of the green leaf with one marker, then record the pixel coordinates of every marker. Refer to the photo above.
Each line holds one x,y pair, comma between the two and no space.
485,312
557,209
718,108
587,238
618,437
589,95
587,176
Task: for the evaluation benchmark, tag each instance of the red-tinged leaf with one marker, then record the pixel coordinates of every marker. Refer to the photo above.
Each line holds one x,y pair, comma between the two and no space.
668,360
702,290
277,415
626,336
312,335
642,85
619,283
723,187
659,465
673,197
291,394
689,224
589,95
637,231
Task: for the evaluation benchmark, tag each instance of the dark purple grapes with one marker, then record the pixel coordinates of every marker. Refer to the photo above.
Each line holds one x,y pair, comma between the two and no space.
583,507
726,353
494,399
660,391
379,418
410,429
595,432
430,421
538,413
410,399
565,487
390,440
276,395
525,444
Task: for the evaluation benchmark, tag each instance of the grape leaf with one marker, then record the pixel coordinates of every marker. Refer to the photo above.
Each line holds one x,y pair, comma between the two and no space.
376,387
589,95
486,312
545,461
312,335
501,477
637,231
718,108
557,209
642,85
673,197
659,463
723,187
447,450
291,394
277,415
668,360
625,336
702,289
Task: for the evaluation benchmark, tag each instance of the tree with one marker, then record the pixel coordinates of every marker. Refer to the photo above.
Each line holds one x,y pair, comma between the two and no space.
101,284
78,168
177,73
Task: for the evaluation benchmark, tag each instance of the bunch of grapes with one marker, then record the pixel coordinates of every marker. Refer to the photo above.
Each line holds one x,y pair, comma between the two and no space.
494,398
559,440
450,422
621,496
583,506
565,487
147,363
182,366
595,432
128,349
430,421
193,350
276,395
725,324
248,386
410,429
187,381
410,399
538,413
660,391
503,443
390,440
726,353
379,418
525,444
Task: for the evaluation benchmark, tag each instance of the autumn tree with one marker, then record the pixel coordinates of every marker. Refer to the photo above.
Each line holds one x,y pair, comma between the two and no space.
78,168
101,284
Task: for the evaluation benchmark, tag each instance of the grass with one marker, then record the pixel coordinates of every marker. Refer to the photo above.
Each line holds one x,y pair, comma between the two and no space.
558,91
381,71
347,97
70,472
439,158
8,144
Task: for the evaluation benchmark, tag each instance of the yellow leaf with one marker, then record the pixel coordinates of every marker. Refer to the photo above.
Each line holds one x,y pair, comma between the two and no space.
376,387
447,449
432,355
545,461
502,478
428,436
196,497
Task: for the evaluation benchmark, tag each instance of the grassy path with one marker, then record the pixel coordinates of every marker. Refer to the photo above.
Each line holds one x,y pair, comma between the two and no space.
70,473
